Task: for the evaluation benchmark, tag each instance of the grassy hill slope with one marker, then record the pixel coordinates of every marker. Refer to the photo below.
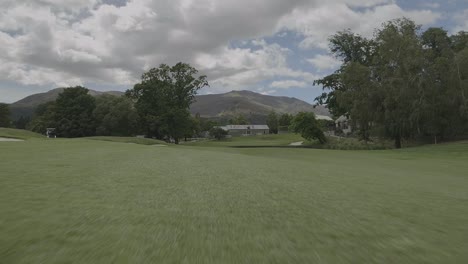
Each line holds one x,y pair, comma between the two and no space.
18,133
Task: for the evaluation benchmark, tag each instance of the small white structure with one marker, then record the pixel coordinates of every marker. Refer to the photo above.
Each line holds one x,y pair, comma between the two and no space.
246,130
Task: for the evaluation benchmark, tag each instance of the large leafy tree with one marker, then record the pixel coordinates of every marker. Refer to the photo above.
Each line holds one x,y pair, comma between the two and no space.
71,114
361,98
284,121
436,116
403,83
459,41
74,113
115,116
238,119
461,83
44,117
163,97
272,122
399,67
4,115
218,133
349,48
305,124
22,122
349,90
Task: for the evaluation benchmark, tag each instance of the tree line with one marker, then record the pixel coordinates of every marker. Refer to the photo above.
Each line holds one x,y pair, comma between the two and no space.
404,83
4,115
157,107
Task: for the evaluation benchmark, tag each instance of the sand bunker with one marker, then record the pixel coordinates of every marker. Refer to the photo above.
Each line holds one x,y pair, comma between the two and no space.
297,143
10,139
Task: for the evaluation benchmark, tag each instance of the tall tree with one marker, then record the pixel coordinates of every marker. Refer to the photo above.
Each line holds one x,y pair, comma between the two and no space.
459,41
399,68
22,122
461,82
4,115
284,121
272,122
196,126
361,98
44,117
436,97
71,114
163,97
349,48
307,125
238,119
115,116
74,113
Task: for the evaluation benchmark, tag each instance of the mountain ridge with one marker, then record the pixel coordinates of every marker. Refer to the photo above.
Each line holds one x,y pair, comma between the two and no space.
218,106
246,102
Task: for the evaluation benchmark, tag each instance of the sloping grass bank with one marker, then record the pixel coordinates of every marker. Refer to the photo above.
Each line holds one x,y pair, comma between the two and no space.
19,134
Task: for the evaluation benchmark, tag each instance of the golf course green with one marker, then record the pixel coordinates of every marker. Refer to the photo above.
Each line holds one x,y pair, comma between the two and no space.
95,201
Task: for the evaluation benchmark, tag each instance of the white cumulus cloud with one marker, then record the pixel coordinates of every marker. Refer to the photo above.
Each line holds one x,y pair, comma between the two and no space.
55,42
324,62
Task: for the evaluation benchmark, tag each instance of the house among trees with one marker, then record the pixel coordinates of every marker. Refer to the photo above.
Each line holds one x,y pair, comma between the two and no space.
343,124
246,130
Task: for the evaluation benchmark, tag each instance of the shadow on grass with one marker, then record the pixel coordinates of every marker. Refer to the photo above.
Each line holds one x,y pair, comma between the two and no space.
271,147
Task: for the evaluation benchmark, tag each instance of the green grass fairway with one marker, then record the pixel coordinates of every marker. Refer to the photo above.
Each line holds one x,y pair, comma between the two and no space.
134,140
259,141
90,201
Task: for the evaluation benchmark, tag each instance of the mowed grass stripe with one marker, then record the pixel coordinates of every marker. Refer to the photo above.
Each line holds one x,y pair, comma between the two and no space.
83,201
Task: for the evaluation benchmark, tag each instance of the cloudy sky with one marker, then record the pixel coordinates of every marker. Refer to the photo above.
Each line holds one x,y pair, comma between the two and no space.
273,47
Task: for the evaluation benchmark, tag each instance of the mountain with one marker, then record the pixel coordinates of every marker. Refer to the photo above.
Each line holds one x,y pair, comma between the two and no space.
26,106
247,103
252,105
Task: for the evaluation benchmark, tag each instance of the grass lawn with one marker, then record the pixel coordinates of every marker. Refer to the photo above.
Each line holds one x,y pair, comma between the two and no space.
259,141
134,140
91,201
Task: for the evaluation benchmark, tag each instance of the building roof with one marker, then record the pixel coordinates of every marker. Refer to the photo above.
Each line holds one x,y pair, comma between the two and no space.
322,117
240,127
341,119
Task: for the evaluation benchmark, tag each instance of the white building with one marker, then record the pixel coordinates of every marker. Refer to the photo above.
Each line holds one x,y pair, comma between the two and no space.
246,130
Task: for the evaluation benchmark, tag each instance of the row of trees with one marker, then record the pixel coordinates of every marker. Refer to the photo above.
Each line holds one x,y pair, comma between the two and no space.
402,83
75,113
158,107
278,122
4,115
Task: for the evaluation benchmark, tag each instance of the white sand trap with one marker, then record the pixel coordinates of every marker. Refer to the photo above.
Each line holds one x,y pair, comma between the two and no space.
10,139
297,143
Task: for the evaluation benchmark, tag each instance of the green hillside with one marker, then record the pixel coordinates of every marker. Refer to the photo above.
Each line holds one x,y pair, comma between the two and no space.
18,133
